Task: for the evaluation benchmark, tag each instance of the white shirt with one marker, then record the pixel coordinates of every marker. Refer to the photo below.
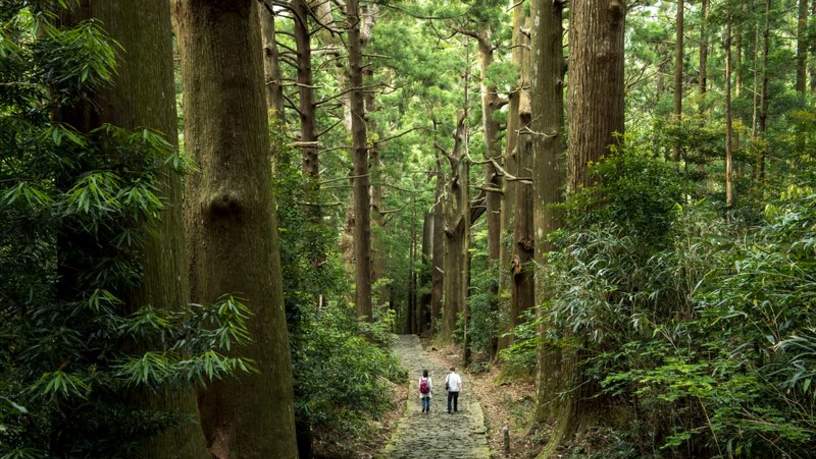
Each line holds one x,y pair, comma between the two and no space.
454,382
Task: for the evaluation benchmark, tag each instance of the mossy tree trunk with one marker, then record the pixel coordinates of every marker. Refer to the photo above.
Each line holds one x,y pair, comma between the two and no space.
596,117
438,253
456,230
519,58
523,267
231,217
142,95
547,104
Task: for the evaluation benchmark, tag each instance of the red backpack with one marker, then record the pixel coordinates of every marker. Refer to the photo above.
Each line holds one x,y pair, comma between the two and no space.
424,387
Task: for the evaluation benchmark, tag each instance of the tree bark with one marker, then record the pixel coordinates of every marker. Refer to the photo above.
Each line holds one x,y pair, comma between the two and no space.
678,73
490,104
704,53
425,279
272,75
763,109
548,179
308,117
360,180
729,120
231,217
456,229
142,95
596,115
438,255
596,84
519,59
523,269
802,48
493,181
813,48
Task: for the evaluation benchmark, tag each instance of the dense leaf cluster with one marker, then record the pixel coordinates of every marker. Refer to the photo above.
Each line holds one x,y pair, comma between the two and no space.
79,355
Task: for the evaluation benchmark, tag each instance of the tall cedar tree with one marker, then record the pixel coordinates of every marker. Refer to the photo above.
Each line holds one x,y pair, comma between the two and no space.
729,118
359,156
520,58
596,119
142,95
548,180
678,72
272,73
596,84
802,48
232,223
522,294
456,230
703,78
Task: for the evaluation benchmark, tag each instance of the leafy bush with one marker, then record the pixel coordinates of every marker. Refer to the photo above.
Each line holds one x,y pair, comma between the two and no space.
80,358
701,328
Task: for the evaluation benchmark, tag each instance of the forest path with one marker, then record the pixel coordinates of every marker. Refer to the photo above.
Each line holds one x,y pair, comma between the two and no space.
437,435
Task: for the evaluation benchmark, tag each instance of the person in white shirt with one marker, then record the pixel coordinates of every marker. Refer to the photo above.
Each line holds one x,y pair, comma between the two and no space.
425,389
453,384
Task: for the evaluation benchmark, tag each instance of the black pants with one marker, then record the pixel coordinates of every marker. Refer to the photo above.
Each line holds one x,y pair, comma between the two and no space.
453,397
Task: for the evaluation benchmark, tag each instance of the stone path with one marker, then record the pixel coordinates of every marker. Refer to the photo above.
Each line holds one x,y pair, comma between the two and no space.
438,435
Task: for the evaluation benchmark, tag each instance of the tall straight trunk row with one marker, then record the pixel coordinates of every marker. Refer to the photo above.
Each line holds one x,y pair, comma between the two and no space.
230,214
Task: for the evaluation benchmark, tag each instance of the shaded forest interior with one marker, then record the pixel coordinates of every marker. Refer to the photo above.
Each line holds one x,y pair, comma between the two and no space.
215,216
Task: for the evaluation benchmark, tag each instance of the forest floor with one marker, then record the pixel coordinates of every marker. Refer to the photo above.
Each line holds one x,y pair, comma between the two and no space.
437,434
505,401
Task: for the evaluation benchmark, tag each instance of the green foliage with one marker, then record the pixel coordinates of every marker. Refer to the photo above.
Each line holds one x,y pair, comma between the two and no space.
702,326
521,357
341,365
75,209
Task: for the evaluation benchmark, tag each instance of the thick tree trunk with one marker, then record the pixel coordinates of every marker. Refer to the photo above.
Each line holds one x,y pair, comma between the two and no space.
438,255
490,104
703,80
231,217
519,55
456,229
308,117
493,181
596,115
272,75
596,83
143,96
523,268
729,120
548,179
802,48
678,72
425,278
763,100
360,180
813,48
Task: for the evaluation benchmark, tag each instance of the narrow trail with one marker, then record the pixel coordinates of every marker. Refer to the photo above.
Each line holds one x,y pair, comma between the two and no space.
438,435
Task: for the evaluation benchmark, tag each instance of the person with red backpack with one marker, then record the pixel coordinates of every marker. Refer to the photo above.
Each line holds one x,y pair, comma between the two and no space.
425,389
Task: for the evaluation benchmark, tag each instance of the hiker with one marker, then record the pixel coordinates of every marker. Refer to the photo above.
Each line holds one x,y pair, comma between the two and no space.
425,388
453,384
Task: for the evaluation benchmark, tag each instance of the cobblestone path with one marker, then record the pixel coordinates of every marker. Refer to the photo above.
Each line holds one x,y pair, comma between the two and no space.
437,435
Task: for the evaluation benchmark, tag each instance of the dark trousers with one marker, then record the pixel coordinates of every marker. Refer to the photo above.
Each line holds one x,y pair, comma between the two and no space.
453,397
